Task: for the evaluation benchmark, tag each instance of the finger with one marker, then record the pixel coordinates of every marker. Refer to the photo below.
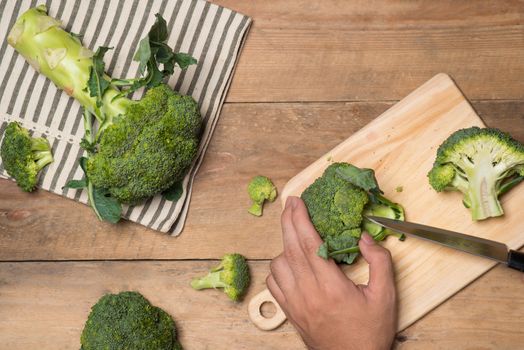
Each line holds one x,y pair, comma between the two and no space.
306,233
283,275
275,291
381,277
293,252
310,240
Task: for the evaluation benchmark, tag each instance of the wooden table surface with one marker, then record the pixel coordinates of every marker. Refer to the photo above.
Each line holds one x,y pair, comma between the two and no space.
311,74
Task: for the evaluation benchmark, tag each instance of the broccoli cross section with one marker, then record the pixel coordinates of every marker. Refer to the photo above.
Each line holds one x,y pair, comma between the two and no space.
232,274
482,163
260,189
24,156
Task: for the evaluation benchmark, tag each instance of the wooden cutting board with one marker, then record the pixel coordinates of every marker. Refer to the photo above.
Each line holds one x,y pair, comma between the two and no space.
401,145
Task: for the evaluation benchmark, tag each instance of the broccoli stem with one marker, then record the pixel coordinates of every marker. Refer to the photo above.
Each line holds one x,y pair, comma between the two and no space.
211,280
483,194
61,57
349,250
42,152
43,158
508,185
88,134
256,209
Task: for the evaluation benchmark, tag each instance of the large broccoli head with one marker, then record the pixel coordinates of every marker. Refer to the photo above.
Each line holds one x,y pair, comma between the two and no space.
148,149
482,163
336,203
24,156
128,321
232,274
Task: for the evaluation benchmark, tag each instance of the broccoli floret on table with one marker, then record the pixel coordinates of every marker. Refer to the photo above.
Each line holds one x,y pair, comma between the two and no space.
232,275
128,321
482,163
24,156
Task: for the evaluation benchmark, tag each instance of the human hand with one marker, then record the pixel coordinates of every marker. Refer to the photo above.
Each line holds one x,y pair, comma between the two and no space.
328,310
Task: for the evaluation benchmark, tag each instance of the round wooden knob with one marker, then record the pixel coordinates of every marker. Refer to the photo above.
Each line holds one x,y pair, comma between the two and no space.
255,313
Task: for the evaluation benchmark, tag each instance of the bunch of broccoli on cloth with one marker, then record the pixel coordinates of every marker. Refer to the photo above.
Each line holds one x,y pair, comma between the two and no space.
135,149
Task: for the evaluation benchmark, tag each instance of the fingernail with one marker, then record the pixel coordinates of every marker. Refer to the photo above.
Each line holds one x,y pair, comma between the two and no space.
367,239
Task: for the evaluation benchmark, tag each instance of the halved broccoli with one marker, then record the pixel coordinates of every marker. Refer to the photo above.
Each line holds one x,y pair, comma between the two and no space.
482,163
128,321
260,189
337,202
232,274
24,156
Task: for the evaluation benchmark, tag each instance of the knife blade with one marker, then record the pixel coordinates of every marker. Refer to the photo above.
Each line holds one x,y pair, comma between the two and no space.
470,244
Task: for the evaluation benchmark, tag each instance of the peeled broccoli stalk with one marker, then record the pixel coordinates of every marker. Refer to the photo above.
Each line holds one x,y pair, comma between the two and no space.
24,156
128,321
61,57
482,163
337,202
260,189
232,275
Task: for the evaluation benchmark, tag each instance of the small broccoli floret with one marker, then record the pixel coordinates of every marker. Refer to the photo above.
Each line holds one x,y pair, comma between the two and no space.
24,156
150,148
482,163
128,321
232,274
260,189
337,202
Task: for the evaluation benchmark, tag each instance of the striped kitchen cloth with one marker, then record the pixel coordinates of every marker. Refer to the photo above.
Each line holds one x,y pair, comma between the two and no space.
212,34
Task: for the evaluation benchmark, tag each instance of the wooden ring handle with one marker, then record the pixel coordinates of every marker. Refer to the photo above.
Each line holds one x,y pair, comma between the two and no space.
255,313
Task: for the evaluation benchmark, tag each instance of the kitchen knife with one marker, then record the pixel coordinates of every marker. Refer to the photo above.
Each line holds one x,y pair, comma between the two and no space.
470,244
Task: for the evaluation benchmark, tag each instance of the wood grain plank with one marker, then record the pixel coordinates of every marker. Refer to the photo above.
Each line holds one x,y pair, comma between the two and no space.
378,50
278,140
44,306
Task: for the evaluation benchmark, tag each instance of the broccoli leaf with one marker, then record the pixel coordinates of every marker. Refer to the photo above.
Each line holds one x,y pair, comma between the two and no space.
76,184
363,178
158,32
174,193
142,54
97,83
107,207
153,52
184,60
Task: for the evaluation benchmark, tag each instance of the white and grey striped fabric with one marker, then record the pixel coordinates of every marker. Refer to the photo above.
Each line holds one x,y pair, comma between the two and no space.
212,34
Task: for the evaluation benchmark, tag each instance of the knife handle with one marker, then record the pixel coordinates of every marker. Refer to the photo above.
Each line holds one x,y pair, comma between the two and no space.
516,260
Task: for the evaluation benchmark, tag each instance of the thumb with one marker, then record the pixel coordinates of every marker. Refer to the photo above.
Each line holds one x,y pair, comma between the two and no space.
381,278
